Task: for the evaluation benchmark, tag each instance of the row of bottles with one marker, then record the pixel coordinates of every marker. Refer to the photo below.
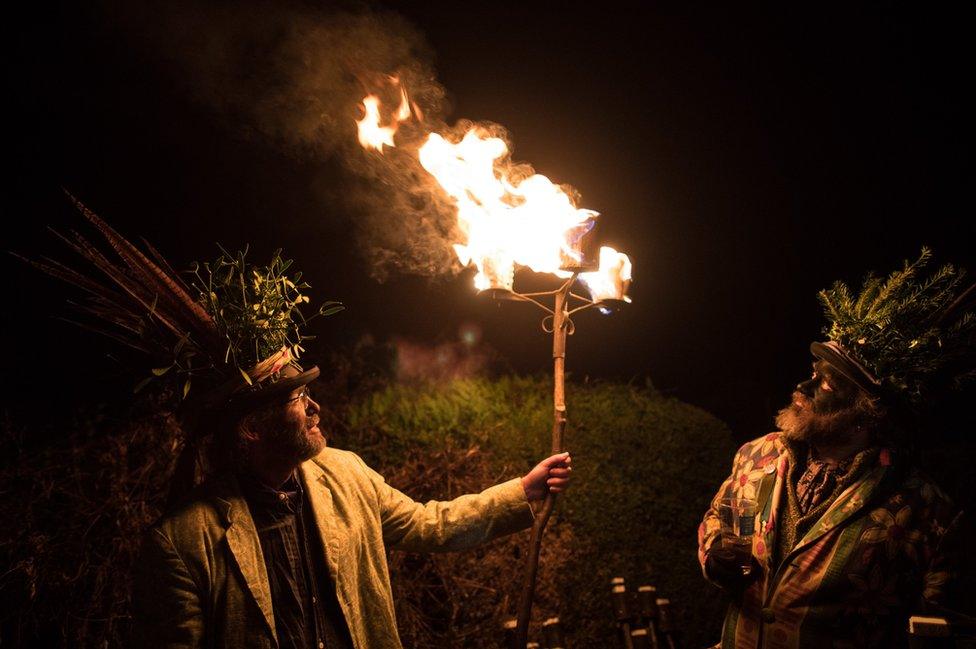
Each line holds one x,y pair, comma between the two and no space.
643,621
552,634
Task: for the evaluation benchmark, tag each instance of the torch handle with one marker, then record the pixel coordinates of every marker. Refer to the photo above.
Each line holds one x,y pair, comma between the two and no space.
559,330
532,567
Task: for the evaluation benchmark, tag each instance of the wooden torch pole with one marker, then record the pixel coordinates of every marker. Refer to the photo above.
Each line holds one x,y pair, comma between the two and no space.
560,324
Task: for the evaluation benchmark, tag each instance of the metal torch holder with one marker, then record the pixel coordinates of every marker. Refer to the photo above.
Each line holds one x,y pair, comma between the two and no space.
559,323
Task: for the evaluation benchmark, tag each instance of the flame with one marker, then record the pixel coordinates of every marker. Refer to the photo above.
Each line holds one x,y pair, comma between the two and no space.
612,279
403,112
507,221
371,134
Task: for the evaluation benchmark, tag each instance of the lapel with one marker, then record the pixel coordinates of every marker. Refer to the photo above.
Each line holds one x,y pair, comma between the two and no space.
320,498
769,497
242,539
849,502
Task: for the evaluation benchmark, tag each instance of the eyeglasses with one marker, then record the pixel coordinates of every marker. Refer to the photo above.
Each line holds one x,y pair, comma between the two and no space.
304,395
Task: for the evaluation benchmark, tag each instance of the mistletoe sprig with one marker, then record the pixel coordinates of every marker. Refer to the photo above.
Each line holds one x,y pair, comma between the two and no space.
911,331
256,309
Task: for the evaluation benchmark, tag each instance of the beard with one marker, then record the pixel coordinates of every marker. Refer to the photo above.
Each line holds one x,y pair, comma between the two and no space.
296,439
801,423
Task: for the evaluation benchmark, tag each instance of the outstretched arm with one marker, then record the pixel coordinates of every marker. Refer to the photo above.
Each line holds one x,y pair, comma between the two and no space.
469,520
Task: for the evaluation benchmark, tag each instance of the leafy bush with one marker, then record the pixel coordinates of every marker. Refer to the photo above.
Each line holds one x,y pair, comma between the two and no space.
644,468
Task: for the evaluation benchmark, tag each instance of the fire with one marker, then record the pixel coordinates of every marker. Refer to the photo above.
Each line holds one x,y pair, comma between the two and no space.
507,221
612,279
371,134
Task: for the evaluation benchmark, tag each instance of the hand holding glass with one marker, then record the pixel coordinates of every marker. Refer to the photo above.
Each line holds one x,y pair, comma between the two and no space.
738,519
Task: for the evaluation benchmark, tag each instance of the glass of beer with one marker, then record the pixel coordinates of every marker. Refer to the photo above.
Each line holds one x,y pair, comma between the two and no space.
738,519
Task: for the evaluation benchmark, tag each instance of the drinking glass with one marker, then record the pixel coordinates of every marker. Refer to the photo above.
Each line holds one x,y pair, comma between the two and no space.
738,519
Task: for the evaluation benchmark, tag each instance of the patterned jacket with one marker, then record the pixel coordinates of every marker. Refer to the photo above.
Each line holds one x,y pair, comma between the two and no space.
874,558
202,582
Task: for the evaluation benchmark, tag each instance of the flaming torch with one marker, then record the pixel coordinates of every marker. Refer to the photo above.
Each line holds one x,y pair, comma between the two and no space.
510,220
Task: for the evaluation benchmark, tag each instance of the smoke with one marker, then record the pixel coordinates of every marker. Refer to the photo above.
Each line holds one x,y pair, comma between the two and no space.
296,76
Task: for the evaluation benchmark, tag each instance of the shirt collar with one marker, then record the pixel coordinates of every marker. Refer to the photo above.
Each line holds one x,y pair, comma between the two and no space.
286,498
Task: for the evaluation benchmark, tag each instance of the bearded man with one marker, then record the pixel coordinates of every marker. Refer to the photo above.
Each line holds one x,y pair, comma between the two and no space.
850,539
286,545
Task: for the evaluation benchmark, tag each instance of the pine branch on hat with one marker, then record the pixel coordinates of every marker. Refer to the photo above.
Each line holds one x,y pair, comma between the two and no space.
915,334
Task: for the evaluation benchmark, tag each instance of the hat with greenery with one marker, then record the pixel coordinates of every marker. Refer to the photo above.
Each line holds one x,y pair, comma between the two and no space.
229,338
905,337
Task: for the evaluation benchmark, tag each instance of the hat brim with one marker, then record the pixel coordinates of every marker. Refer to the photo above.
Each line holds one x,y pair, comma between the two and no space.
838,358
265,394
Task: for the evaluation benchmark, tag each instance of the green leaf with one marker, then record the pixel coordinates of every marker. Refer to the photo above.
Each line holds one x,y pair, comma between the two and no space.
182,341
159,371
325,309
141,384
186,387
247,377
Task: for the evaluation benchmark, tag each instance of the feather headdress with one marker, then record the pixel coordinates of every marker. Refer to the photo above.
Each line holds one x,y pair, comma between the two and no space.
232,330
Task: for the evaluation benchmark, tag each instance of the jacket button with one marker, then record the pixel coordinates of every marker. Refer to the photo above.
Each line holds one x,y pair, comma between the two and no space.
767,615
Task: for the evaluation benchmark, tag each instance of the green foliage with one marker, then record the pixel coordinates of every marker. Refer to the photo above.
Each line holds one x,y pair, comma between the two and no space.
645,467
80,495
241,315
256,309
907,328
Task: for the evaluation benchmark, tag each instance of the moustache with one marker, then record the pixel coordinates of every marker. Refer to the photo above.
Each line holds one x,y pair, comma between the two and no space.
800,401
313,423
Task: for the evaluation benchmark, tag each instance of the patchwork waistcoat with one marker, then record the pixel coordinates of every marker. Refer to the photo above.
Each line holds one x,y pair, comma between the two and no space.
882,551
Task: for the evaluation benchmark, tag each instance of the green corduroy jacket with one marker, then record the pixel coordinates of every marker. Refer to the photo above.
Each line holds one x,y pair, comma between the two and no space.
201,579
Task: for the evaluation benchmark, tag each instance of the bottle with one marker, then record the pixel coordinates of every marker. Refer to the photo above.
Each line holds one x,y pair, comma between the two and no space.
639,638
621,610
647,607
666,625
552,631
508,632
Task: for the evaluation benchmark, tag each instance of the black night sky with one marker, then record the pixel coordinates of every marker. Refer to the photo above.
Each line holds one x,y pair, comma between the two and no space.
744,158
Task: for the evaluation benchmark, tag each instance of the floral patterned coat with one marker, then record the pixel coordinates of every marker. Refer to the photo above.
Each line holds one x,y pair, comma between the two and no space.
873,559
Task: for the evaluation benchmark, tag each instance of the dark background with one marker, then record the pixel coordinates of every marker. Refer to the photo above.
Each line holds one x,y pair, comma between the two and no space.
744,158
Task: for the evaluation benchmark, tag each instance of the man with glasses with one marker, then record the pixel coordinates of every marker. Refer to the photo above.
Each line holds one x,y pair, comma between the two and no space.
286,545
